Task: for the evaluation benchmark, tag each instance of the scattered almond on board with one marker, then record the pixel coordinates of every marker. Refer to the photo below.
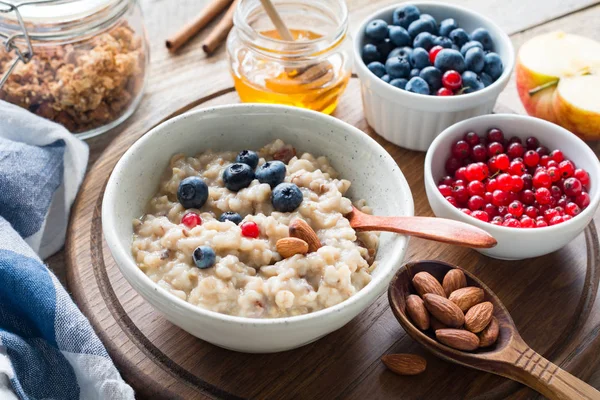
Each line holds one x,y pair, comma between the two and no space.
405,364
457,313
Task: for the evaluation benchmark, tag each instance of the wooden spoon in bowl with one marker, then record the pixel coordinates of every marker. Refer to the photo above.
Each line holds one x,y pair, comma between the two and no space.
438,229
510,357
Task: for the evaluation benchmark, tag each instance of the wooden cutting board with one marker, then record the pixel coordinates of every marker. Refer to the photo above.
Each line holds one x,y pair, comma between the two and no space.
551,299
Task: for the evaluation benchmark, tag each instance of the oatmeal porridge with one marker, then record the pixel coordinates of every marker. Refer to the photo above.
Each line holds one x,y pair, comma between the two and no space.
212,232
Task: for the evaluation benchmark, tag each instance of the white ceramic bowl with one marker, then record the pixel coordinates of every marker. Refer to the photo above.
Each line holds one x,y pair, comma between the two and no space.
514,243
372,171
413,120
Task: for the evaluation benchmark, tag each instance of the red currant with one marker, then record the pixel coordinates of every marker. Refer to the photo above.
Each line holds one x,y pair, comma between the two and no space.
499,198
476,188
505,182
488,197
445,190
542,179
531,158
516,208
451,79
491,185
250,229
515,139
527,181
527,197
479,153
477,172
452,201
495,135
572,209
562,202
557,155
551,213
541,224
480,215
572,187
452,165
466,211
527,222
434,52
556,220
551,163
491,210
542,195
544,160
461,149
517,183
566,218
475,203
532,143
511,223
444,92
471,137
583,176
494,149
515,150
502,162
497,220
191,220
503,211
554,174
542,151
583,200
460,182
531,212
447,180
517,168
567,168
461,194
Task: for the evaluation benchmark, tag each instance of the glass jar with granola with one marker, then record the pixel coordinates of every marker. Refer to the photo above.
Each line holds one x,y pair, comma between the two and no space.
80,63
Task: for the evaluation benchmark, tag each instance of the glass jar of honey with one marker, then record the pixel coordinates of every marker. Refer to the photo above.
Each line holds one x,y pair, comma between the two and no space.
310,72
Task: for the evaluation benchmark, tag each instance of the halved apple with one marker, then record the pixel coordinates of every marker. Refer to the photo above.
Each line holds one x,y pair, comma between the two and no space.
558,79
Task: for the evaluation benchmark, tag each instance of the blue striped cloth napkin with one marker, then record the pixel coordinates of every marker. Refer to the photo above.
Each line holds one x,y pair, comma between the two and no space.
48,350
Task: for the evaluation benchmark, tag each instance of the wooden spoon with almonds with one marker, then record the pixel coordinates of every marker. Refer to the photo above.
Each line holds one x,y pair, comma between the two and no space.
510,356
438,229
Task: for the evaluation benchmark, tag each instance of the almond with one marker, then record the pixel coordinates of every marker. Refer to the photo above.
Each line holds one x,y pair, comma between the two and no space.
417,311
467,297
479,316
435,324
458,339
405,364
454,279
424,282
444,310
300,229
291,246
489,335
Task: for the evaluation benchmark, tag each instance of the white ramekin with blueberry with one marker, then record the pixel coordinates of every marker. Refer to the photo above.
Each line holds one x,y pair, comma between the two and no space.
426,66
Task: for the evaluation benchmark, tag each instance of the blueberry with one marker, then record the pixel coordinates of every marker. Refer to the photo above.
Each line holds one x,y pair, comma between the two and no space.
397,67
493,65
448,59
399,36
204,257
403,16
370,53
486,79
231,216
483,36
465,47
272,172
402,52
399,83
248,157
474,59
433,77
377,68
386,78
414,72
424,40
447,26
286,197
417,85
237,176
192,192
471,82
420,58
432,21
385,48
420,25
443,41
459,36
377,30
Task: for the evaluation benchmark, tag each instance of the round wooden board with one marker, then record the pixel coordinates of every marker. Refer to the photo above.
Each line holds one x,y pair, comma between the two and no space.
551,300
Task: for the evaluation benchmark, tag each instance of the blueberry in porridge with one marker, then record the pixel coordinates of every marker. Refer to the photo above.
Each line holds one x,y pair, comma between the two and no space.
258,234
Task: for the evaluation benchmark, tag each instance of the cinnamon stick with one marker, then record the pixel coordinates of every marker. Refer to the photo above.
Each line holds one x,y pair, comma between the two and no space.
200,21
220,32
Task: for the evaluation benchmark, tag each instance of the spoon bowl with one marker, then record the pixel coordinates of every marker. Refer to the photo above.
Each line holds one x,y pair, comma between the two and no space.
510,356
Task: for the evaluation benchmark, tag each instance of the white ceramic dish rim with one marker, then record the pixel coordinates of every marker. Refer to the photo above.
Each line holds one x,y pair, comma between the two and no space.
377,284
429,100
545,125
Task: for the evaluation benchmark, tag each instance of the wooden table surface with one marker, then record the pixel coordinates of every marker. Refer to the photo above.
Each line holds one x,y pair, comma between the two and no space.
176,81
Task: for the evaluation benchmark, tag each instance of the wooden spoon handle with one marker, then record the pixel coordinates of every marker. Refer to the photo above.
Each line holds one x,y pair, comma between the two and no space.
438,229
549,379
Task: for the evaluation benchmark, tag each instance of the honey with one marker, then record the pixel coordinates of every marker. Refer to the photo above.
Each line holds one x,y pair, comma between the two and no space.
311,72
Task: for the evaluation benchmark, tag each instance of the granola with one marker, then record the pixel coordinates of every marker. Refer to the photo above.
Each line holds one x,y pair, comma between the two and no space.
81,85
